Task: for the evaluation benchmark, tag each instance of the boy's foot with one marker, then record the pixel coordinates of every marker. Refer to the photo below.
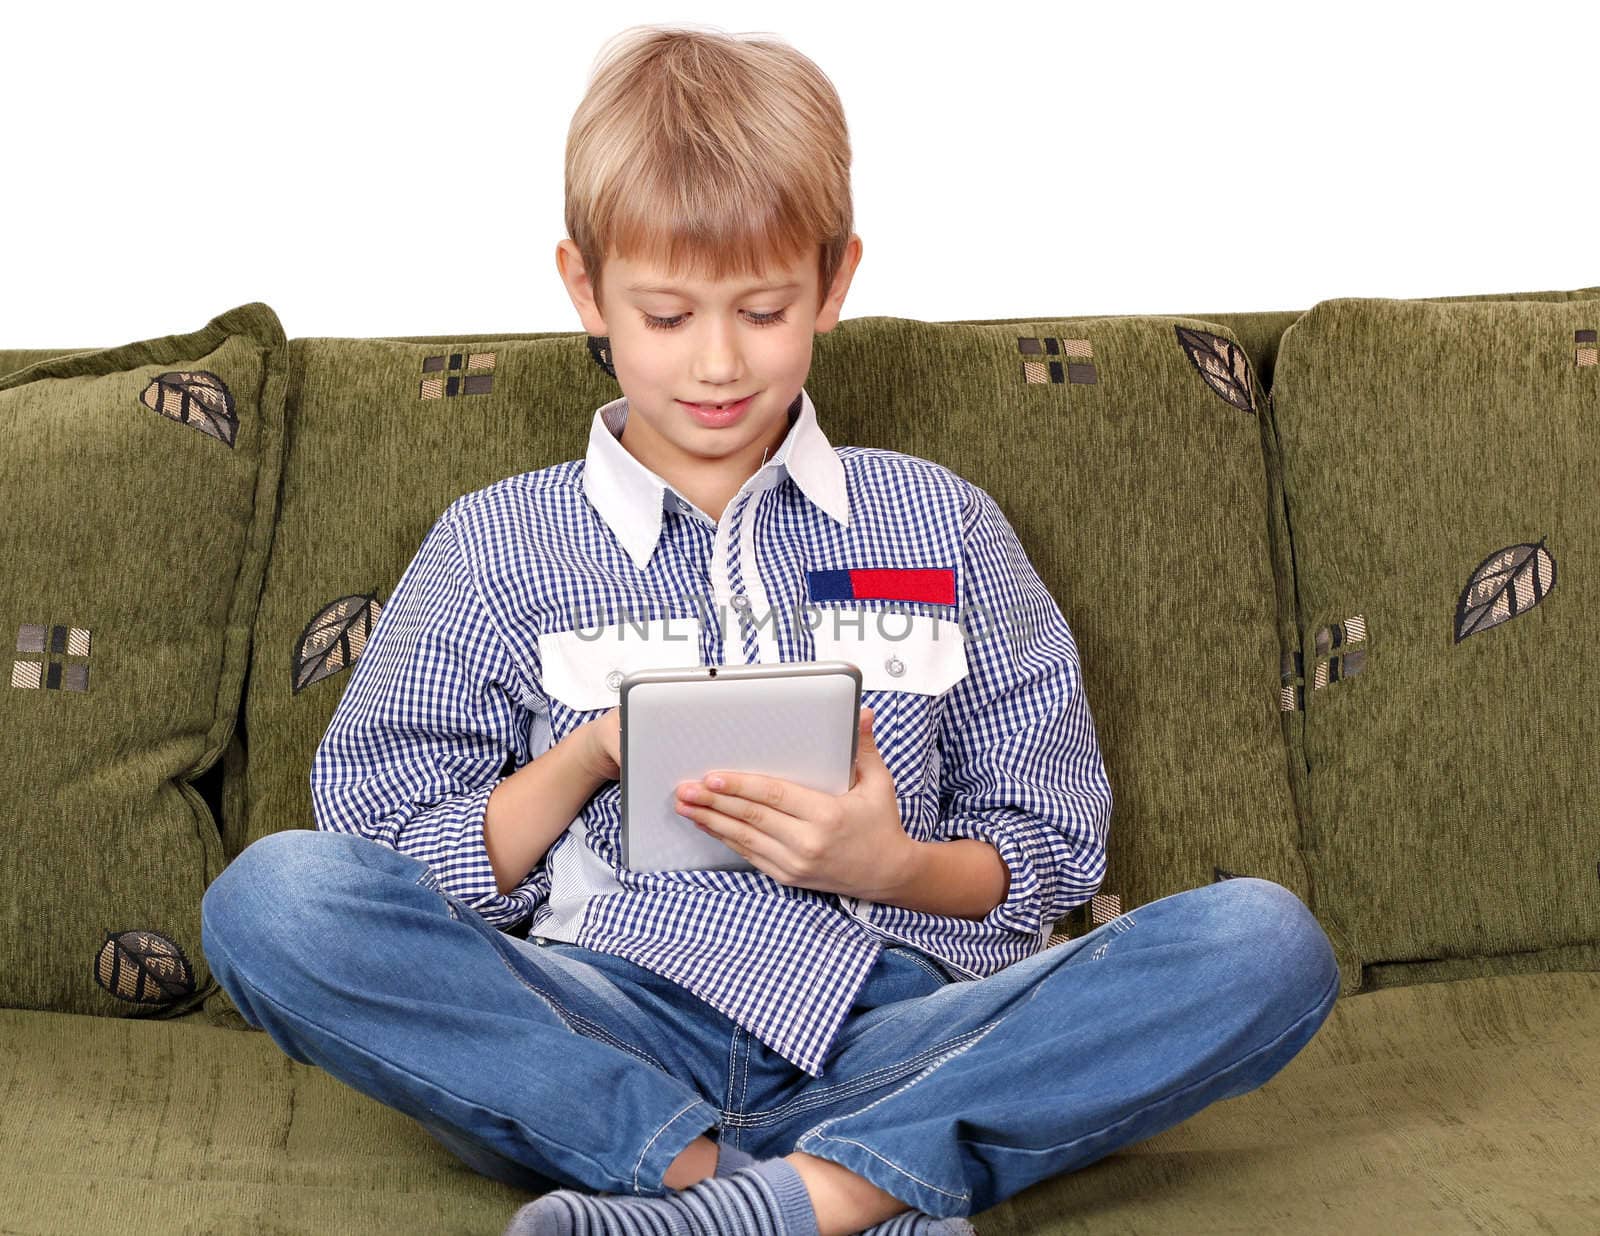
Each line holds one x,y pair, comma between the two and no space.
766,1198
908,1223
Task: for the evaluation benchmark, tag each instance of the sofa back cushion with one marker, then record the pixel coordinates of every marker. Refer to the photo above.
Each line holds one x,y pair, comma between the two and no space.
1125,451
1434,459
383,435
140,485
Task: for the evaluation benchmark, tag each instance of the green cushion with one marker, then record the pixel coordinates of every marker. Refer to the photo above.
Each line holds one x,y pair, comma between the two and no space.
170,1126
21,358
1073,425
1435,461
374,457
1431,1109
140,485
1260,330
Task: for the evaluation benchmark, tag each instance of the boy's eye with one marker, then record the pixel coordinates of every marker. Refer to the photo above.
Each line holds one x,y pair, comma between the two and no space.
760,319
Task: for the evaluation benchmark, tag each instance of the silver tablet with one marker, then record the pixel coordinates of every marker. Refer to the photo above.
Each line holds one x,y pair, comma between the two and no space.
795,719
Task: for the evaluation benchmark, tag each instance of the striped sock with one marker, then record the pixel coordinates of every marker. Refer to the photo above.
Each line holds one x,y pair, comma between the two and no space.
916,1223
766,1199
730,1159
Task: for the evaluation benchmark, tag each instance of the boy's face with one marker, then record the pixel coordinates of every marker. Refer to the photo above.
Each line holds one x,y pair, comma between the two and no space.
703,342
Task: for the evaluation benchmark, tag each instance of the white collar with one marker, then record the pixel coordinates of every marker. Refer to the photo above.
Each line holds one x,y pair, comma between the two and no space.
633,500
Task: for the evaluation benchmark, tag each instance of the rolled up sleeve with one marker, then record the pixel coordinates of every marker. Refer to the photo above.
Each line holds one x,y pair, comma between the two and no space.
1020,764
434,714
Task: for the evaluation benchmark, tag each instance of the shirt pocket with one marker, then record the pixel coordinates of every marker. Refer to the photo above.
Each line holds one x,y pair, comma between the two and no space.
926,657
583,668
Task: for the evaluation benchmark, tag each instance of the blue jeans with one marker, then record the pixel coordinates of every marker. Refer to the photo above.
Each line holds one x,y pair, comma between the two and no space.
555,1066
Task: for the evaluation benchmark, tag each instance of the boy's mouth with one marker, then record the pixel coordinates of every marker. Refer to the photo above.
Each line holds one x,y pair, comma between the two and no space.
717,414
714,407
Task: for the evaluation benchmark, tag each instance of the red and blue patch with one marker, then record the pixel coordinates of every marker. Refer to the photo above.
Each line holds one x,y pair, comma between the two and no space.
934,584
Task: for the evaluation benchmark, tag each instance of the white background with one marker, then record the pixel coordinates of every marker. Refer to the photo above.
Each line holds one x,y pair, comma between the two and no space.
377,170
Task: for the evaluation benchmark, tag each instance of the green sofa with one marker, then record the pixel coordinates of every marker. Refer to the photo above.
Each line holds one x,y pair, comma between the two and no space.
1309,559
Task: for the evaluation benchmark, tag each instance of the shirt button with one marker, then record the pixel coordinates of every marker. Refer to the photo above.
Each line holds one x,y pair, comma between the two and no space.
895,666
740,601
614,680
682,505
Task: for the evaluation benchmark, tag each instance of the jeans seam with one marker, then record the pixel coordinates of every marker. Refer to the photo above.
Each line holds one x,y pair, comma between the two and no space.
576,1022
1119,926
363,1050
744,1069
676,1116
815,1096
944,979
817,1135
1167,1098
964,1197
729,1109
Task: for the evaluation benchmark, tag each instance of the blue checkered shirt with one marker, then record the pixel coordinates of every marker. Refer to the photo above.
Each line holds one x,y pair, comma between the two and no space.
474,668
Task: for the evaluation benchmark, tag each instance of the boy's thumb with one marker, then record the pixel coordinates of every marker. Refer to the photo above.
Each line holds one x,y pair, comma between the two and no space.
867,758
868,743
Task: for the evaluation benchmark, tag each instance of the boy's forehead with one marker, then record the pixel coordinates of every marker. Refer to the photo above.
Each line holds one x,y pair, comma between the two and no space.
641,277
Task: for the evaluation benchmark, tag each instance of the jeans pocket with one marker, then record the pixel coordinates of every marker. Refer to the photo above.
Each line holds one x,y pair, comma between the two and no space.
902,973
927,963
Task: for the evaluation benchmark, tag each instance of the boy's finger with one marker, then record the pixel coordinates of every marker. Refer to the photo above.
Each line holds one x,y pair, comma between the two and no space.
780,795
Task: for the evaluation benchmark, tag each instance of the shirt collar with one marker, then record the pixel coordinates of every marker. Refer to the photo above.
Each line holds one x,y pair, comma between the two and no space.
633,500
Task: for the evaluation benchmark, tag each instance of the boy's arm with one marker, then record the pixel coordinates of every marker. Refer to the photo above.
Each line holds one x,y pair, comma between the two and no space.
1020,764
421,735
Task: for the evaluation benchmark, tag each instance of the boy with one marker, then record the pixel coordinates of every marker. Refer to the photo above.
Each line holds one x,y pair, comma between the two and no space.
878,990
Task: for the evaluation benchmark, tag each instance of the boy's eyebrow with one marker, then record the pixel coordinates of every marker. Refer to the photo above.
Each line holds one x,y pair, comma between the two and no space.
765,287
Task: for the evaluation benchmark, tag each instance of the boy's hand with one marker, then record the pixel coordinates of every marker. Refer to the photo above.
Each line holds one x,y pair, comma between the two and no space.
852,843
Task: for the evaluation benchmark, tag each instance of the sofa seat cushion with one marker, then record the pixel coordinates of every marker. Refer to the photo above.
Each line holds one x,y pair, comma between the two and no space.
174,1125
1437,1107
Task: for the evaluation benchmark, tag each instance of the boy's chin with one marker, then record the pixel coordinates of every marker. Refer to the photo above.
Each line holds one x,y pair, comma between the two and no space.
715,443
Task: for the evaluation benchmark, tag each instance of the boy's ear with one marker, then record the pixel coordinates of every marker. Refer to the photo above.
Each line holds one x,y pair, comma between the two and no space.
569,265
833,303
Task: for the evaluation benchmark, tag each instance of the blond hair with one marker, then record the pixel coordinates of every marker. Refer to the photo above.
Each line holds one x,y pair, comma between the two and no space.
707,153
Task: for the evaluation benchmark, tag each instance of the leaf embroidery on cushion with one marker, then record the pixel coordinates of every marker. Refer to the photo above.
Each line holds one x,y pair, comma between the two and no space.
333,640
1505,585
1222,363
143,967
195,398
600,352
